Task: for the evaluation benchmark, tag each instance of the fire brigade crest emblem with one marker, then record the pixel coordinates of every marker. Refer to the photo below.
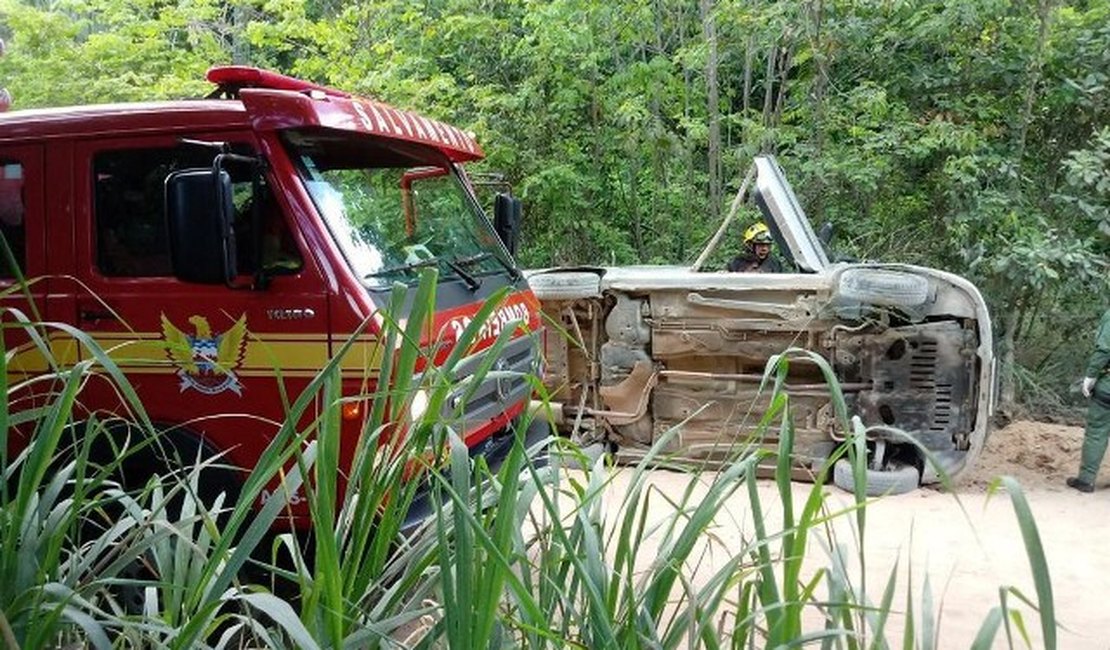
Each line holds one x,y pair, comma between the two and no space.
206,361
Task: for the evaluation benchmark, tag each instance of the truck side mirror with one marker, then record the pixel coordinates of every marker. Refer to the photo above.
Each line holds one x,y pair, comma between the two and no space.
507,211
199,214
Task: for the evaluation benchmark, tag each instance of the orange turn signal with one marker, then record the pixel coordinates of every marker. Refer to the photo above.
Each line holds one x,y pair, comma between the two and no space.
352,410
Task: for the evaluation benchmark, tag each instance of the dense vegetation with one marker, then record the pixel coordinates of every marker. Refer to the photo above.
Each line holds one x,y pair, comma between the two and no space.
971,135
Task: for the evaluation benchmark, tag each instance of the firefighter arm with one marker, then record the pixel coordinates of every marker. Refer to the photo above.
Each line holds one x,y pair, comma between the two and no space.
1100,358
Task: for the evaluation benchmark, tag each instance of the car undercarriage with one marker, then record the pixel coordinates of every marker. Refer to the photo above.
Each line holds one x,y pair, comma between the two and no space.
633,353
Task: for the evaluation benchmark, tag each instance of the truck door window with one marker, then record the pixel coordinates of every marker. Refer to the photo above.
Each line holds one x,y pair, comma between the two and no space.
12,210
131,235
279,252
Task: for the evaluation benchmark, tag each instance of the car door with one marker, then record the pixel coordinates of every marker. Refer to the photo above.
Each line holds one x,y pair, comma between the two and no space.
217,360
785,217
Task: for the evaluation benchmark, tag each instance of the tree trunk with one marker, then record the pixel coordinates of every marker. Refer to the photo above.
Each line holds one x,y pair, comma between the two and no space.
240,52
688,145
634,202
658,170
784,71
713,108
749,60
1007,397
769,85
1032,80
816,205
1007,393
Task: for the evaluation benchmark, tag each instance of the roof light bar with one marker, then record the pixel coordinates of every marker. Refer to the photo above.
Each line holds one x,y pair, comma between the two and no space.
232,78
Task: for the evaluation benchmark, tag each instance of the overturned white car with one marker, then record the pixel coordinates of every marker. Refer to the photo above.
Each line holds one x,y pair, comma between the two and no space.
645,349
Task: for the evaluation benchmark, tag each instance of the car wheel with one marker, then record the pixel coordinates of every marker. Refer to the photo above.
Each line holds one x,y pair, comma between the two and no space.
571,285
878,287
899,479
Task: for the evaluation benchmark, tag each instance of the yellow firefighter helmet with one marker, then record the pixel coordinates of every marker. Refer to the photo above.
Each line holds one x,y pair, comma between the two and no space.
757,234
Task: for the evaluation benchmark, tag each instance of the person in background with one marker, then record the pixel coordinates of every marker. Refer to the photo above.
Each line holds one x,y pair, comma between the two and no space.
757,257
1096,388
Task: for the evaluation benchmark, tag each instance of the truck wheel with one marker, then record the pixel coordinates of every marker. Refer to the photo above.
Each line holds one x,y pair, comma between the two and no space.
878,287
175,452
171,457
899,479
569,285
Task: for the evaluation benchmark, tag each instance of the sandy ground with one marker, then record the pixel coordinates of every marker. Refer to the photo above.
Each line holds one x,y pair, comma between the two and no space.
969,542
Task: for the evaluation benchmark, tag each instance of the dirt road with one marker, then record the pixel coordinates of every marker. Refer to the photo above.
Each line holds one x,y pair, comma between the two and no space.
970,544
1074,528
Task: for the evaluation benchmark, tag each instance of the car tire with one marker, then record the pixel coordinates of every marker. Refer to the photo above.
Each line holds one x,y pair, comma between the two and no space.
570,285
899,479
878,287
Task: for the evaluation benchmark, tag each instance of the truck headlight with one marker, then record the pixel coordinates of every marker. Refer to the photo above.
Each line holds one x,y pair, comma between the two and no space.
419,404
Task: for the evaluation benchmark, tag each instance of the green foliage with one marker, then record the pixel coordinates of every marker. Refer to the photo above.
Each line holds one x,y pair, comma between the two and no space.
73,538
1088,181
969,136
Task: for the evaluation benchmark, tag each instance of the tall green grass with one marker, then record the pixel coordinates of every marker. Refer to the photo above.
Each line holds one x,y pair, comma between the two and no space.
529,555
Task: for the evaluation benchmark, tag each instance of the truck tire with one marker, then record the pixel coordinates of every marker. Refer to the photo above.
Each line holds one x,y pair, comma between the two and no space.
878,287
132,472
899,479
569,285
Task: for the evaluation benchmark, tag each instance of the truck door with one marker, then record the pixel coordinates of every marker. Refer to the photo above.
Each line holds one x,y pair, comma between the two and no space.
22,224
205,356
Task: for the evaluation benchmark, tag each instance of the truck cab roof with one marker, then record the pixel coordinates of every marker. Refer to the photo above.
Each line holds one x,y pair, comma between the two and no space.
260,99
98,119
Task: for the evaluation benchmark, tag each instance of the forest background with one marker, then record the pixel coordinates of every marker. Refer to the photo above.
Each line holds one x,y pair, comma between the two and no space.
969,135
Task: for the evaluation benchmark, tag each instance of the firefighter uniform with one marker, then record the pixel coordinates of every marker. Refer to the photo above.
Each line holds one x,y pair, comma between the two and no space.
1098,410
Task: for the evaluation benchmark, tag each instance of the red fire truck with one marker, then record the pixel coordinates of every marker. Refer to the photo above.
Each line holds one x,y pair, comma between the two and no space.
208,243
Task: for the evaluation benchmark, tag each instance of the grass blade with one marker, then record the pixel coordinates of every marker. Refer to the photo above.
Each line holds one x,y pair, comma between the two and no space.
1038,563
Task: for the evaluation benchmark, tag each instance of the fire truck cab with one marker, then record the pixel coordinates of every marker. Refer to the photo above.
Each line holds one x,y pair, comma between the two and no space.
223,249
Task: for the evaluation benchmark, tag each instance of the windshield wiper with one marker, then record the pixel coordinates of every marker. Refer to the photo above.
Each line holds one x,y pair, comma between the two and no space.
458,266
400,268
480,257
470,260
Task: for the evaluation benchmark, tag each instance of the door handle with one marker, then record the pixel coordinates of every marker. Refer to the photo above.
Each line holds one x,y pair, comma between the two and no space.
93,314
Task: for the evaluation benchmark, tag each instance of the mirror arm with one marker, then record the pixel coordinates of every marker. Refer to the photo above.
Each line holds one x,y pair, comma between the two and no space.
231,270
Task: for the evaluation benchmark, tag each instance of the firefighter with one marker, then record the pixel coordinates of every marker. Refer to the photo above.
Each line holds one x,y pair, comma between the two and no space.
756,257
1096,388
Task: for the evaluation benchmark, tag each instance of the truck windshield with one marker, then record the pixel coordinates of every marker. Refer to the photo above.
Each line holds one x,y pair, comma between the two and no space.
395,207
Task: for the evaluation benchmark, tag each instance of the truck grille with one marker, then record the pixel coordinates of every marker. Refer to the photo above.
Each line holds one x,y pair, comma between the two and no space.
505,385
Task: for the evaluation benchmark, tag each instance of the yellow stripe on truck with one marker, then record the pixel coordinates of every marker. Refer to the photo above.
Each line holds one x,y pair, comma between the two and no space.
145,353
364,356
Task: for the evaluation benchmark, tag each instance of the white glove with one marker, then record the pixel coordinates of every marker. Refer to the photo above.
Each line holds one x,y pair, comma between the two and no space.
1088,385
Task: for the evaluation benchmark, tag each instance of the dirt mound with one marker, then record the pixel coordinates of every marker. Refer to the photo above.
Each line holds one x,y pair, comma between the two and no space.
1039,454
